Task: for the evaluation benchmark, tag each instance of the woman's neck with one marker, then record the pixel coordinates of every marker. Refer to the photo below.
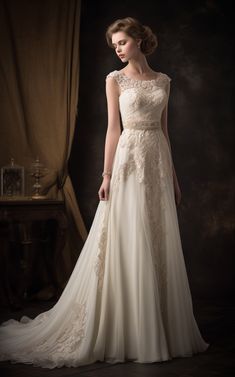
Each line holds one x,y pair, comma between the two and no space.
138,67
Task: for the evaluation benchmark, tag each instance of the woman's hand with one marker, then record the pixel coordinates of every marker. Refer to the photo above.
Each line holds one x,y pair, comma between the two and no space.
177,193
104,188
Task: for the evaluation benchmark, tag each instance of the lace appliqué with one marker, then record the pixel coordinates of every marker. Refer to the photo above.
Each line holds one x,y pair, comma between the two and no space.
143,156
99,265
71,339
53,353
145,160
125,82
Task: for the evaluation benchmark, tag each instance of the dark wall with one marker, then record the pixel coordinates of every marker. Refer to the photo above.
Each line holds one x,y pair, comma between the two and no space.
195,49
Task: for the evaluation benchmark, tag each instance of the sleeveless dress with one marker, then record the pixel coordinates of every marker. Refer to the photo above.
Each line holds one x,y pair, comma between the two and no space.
128,297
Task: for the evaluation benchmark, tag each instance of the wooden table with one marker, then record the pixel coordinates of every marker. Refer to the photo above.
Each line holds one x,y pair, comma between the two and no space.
21,216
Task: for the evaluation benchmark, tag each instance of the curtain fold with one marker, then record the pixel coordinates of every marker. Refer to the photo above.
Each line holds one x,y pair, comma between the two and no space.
39,78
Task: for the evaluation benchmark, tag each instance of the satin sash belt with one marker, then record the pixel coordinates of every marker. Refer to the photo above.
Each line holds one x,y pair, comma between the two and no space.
142,125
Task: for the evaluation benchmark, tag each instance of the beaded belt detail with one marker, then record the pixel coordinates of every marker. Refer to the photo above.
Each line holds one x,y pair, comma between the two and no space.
142,125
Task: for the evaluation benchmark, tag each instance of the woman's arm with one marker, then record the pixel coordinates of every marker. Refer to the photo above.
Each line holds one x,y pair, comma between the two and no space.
112,135
165,131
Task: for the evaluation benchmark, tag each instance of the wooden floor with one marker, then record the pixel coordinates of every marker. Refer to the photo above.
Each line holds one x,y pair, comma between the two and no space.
217,324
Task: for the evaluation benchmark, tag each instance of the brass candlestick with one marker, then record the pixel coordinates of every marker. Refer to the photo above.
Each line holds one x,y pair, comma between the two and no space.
38,171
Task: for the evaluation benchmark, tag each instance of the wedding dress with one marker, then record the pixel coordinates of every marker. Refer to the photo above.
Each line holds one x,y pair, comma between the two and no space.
128,297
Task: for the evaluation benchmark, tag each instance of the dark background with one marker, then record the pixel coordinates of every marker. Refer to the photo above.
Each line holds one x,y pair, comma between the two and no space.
196,48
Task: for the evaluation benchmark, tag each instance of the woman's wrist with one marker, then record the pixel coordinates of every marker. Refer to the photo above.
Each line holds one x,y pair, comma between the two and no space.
107,174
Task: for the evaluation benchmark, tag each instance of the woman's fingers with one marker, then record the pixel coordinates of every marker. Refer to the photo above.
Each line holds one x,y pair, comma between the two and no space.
107,194
103,194
104,191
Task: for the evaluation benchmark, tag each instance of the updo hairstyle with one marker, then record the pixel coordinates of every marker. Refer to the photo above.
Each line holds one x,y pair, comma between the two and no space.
136,30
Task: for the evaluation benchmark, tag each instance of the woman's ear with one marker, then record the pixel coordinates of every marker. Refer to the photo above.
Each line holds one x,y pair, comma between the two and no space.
138,41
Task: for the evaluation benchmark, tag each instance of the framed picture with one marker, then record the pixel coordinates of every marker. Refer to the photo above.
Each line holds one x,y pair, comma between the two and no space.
12,180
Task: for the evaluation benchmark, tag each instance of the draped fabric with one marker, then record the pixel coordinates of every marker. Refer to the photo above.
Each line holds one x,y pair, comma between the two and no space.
39,71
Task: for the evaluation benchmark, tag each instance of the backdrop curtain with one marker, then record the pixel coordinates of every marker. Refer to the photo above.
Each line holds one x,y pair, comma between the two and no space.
39,72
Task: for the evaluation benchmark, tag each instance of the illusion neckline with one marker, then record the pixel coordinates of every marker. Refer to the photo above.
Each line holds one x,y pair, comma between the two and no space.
131,78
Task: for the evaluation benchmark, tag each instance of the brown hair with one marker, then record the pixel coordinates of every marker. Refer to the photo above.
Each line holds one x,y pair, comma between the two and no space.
136,30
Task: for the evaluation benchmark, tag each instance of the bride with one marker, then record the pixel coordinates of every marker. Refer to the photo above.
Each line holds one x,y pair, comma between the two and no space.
128,297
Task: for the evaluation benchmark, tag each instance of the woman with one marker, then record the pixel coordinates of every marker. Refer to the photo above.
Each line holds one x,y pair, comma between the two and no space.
128,297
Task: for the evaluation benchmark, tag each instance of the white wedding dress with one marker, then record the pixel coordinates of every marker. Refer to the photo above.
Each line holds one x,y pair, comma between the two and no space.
128,297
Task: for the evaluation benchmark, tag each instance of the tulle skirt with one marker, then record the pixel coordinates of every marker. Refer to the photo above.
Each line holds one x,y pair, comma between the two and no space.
128,297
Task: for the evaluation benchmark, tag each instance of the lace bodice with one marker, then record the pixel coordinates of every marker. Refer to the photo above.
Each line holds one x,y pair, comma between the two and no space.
142,101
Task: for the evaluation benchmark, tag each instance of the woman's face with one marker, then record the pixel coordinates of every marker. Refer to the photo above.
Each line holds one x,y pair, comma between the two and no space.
125,46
